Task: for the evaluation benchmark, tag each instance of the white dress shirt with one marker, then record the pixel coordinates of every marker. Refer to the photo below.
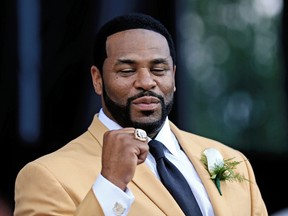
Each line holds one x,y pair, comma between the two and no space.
120,202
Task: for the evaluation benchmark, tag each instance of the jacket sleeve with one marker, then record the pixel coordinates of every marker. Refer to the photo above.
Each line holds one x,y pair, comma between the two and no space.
258,206
89,206
38,192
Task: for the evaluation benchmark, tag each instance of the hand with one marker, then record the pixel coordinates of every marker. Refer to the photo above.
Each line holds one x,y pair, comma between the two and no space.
121,153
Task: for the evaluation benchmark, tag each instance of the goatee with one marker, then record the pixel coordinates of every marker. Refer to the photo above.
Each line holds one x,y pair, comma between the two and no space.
123,117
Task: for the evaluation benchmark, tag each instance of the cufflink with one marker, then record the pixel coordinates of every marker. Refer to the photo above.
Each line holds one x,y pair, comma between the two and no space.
118,209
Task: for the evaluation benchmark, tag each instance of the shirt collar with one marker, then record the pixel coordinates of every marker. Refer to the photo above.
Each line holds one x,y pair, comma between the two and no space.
168,139
110,124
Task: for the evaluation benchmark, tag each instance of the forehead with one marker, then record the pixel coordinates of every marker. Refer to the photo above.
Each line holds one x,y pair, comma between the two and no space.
137,41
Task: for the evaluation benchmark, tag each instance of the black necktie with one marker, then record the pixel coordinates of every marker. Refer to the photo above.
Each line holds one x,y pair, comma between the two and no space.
174,181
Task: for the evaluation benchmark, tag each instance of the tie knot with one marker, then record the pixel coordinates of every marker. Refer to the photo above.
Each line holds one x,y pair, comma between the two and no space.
156,149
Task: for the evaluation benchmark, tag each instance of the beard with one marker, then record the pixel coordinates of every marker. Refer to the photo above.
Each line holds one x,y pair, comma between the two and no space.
122,113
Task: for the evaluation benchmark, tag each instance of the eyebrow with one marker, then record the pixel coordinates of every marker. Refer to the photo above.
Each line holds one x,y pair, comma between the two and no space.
125,61
154,61
160,61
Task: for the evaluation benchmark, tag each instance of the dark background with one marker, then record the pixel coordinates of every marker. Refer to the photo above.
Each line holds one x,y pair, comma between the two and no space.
67,101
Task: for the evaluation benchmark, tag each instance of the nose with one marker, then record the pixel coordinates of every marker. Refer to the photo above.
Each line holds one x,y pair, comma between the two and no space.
144,79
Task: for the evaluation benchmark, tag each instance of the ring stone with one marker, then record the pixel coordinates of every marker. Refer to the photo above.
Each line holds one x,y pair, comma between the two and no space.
140,134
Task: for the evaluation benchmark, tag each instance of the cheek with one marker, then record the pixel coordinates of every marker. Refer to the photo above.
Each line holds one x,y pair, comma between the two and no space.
167,87
168,92
117,91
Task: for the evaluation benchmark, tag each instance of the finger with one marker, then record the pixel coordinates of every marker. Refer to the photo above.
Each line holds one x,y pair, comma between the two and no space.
142,151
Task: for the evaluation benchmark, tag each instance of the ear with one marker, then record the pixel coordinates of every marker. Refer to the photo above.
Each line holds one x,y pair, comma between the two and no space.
97,80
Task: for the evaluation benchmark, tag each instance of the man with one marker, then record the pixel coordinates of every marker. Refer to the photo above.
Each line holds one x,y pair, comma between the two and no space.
109,170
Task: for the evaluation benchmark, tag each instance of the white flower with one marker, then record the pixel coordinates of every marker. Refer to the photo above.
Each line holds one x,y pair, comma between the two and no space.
219,168
214,158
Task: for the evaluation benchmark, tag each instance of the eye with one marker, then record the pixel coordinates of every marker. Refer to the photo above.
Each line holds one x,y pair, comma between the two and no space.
126,72
158,71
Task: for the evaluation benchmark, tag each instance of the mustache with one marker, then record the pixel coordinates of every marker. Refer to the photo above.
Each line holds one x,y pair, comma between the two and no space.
146,93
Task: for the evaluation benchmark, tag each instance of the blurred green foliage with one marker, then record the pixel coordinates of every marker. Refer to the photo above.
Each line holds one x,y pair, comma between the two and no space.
230,52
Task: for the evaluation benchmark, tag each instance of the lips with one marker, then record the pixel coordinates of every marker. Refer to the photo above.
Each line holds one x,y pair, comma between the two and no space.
146,99
146,103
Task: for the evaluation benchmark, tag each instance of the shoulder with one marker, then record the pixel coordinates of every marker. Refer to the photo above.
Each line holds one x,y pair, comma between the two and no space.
205,142
79,153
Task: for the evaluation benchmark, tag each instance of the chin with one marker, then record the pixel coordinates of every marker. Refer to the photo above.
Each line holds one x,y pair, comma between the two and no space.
147,119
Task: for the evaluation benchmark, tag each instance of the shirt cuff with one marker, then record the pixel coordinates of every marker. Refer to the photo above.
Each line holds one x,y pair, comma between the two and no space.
112,199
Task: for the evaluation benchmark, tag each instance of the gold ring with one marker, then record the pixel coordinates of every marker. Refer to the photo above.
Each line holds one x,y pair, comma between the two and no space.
140,134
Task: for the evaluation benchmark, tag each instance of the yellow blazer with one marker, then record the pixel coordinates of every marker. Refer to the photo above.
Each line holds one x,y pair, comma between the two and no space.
60,183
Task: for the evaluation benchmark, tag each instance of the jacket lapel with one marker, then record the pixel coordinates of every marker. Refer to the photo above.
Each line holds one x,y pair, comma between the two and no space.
97,129
146,181
193,149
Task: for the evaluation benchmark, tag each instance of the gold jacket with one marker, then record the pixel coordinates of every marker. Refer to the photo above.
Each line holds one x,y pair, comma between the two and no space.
60,183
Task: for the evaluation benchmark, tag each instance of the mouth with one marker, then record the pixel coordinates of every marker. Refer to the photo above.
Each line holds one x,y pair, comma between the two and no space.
146,103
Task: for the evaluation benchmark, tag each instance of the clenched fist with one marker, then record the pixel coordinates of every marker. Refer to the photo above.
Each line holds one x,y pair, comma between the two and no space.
121,153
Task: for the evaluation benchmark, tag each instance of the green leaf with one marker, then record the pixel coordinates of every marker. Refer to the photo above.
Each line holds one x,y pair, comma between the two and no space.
223,171
217,183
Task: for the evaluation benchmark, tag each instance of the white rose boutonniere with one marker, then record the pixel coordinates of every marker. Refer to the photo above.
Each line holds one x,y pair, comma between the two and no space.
220,169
